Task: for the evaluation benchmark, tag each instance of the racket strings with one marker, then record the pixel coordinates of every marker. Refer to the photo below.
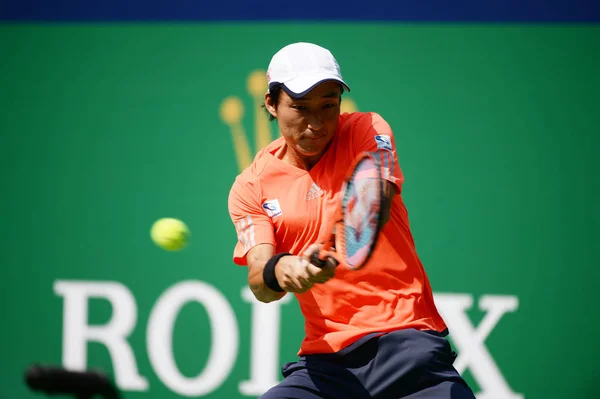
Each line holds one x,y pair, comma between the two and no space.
361,202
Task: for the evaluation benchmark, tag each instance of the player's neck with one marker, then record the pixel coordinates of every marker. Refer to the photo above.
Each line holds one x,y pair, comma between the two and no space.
294,158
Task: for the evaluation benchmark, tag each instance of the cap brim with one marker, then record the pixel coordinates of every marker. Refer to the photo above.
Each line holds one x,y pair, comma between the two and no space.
301,86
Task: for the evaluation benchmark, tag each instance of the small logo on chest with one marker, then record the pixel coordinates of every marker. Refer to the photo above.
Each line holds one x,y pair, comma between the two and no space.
384,142
272,208
314,192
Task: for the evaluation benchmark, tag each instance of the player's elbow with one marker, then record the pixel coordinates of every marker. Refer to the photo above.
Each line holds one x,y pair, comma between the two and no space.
385,217
265,298
264,294
386,211
389,191
259,294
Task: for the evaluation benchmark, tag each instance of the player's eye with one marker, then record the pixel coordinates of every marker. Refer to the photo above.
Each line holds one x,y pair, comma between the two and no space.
329,105
300,107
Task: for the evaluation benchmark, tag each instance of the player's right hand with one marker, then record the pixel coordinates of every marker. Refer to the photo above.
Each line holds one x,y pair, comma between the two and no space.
297,274
320,275
293,275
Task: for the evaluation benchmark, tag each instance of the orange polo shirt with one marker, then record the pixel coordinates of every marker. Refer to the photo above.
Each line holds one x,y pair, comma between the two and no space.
276,203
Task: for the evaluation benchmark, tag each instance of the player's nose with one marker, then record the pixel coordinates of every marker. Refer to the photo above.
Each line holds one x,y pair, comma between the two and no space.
315,123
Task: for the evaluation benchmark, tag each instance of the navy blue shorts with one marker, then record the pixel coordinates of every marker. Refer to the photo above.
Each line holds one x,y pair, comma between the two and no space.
406,364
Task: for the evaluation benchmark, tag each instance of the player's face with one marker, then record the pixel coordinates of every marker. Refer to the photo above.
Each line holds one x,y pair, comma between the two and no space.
309,123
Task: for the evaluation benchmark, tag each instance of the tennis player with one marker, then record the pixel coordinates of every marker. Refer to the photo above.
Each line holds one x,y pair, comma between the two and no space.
370,333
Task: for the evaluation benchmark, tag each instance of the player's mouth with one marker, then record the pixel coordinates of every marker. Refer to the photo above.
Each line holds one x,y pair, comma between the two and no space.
315,136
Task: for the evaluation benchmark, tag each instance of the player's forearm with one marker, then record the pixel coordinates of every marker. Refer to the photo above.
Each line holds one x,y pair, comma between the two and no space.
258,286
257,259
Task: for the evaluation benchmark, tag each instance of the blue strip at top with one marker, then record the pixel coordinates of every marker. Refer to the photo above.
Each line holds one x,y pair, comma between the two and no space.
306,10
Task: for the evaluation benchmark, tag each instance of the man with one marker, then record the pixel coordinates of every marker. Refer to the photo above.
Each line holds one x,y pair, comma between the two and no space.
371,333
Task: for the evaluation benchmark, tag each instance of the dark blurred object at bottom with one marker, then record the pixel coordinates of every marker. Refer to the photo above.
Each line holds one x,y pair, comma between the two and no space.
81,384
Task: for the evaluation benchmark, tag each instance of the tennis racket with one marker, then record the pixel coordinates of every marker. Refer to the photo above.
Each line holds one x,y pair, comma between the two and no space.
358,218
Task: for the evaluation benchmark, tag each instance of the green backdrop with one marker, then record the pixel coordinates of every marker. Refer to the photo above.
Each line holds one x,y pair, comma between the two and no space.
106,128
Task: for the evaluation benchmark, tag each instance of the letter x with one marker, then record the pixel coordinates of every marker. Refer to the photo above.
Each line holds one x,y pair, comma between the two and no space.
470,341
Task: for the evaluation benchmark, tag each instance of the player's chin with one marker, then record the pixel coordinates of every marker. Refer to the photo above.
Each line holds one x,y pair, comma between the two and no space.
313,147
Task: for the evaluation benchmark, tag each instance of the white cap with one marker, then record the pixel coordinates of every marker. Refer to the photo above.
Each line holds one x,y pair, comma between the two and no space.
302,66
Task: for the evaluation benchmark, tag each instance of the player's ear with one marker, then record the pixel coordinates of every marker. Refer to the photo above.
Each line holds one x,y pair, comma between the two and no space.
270,105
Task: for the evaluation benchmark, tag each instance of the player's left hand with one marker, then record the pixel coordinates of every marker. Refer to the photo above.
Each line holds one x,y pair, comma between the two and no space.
317,274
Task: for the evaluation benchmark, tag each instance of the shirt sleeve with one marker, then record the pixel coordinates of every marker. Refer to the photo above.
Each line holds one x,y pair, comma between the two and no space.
372,133
251,223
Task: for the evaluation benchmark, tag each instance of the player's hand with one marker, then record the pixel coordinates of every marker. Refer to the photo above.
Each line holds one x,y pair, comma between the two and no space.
319,275
292,273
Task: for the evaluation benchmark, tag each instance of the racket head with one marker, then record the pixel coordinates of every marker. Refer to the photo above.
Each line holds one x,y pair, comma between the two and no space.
361,212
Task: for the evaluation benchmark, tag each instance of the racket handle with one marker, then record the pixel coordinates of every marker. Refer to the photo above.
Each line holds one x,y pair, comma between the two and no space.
317,261
319,258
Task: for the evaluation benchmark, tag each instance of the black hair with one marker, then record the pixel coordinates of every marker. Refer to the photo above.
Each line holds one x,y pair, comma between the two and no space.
274,93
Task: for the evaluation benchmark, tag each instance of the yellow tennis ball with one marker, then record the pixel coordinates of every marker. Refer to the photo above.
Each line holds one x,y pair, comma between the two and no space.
170,234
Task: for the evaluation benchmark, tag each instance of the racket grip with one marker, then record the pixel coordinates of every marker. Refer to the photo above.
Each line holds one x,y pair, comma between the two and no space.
317,261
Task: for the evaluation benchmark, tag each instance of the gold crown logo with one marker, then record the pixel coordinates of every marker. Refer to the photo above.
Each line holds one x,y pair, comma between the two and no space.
232,114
